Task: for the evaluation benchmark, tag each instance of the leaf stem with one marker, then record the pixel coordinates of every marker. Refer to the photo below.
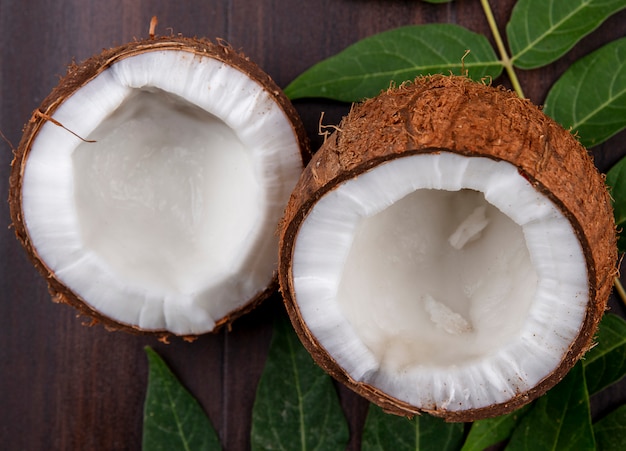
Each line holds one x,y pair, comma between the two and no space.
620,290
507,62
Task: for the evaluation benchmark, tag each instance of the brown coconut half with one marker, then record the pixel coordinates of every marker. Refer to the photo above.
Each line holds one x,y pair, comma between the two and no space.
147,186
448,250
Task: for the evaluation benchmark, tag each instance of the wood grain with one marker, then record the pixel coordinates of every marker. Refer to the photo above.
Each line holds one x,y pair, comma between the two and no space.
67,386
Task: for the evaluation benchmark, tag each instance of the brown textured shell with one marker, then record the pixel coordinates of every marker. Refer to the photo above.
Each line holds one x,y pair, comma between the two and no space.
458,115
77,76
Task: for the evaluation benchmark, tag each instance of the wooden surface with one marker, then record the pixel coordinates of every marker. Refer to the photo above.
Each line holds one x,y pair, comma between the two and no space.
66,386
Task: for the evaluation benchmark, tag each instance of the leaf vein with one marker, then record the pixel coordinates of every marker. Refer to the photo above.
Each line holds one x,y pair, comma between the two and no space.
553,26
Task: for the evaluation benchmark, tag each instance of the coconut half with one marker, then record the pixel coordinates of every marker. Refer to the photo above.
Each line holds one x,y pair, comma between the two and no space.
449,250
148,185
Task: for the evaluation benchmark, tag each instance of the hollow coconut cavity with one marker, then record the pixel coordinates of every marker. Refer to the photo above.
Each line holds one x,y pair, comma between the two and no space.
148,185
449,249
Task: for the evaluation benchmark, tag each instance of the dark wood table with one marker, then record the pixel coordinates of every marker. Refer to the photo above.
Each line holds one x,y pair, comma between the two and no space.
67,386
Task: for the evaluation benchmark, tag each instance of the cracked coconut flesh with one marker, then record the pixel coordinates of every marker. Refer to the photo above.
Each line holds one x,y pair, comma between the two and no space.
168,220
450,292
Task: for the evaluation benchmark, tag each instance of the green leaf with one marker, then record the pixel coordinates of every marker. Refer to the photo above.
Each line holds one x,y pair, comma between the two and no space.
610,431
366,68
616,179
541,31
296,405
390,432
559,420
485,433
605,363
173,419
590,97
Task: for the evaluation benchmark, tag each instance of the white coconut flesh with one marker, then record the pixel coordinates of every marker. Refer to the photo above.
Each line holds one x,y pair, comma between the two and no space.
447,282
168,220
